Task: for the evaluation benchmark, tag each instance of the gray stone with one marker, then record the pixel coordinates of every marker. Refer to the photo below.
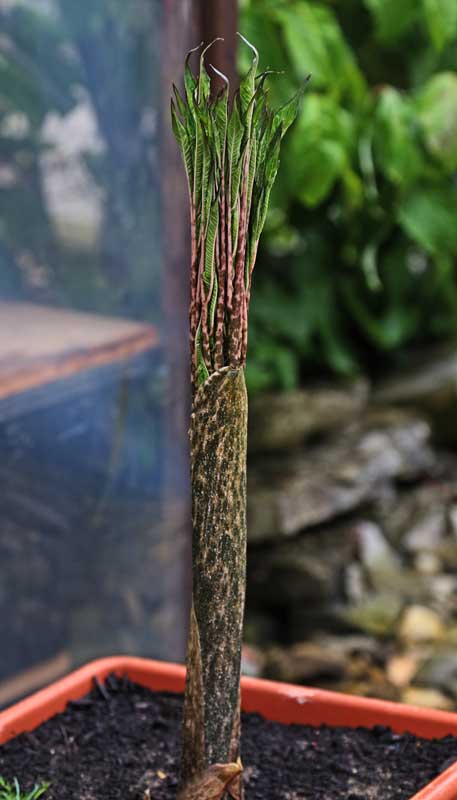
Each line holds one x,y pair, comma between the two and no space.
429,385
354,582
443,588
252,661
260,627
427,698
415,517
305,569
427,532
303,662
278,421
427,563
379,559
290,492
377,615
453,519
440,671
325,657
420,624
447,551
401,668
309,619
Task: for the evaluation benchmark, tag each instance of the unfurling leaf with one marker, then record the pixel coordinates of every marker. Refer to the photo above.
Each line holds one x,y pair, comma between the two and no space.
231,156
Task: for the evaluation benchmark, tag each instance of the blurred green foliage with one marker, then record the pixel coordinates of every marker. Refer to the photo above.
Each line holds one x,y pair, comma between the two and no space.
53,59
36,76
358,262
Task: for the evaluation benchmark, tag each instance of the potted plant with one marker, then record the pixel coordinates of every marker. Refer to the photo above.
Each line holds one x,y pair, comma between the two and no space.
231,157
282,702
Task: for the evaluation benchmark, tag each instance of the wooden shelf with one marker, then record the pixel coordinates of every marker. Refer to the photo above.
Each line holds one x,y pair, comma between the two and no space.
39,344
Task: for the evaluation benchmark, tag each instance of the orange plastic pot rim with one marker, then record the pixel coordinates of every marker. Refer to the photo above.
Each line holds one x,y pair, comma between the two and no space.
278,701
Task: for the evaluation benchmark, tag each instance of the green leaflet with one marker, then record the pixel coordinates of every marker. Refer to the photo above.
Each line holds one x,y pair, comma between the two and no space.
184,142
247,85
265,136
235,133
190,81
180,104
210,243
220,117
237,171
272,158
250,187
205,188
231,157
287,114
263,208
235,224
250,251
204,81
202,369
213,303
252,168
236,193
197,146
259,113
217,148
260,208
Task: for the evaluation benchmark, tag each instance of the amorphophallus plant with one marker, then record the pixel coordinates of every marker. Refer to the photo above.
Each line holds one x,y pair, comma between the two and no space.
231,157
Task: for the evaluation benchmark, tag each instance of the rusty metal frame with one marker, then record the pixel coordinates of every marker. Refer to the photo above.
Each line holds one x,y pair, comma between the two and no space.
184,24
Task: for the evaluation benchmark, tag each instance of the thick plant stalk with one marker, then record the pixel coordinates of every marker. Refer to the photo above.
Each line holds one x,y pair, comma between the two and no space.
231,157
218,436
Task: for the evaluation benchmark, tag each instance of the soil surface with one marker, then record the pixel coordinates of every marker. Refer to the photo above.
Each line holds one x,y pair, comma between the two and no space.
122,740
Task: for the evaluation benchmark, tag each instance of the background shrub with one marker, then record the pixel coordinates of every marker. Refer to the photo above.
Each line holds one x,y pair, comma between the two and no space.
358,263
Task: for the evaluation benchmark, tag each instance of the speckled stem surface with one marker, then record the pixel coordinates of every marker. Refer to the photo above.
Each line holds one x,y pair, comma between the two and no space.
218,437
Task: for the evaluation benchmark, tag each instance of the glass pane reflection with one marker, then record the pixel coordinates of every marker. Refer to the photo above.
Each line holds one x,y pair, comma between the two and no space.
85,565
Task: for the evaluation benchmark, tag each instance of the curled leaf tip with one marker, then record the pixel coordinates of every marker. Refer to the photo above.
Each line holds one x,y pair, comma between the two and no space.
249,44
269,71
217,39
203,53
221,74
231,157
193,50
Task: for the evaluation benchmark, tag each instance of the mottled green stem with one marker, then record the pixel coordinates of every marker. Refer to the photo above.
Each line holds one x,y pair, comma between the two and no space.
218,436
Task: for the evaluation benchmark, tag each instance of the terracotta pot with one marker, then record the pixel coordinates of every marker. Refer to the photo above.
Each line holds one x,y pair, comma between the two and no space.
278,701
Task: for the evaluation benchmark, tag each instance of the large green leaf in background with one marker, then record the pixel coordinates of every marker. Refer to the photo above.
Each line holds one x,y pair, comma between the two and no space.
361,236
437,114
396,18
393,18
397,148
441,21
37,76
316,45
319,148
428,215
54,57
37,73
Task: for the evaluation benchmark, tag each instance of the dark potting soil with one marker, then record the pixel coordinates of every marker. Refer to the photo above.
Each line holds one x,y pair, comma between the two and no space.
122,739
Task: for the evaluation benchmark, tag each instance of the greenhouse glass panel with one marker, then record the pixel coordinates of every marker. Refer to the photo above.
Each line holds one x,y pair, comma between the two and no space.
90,563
